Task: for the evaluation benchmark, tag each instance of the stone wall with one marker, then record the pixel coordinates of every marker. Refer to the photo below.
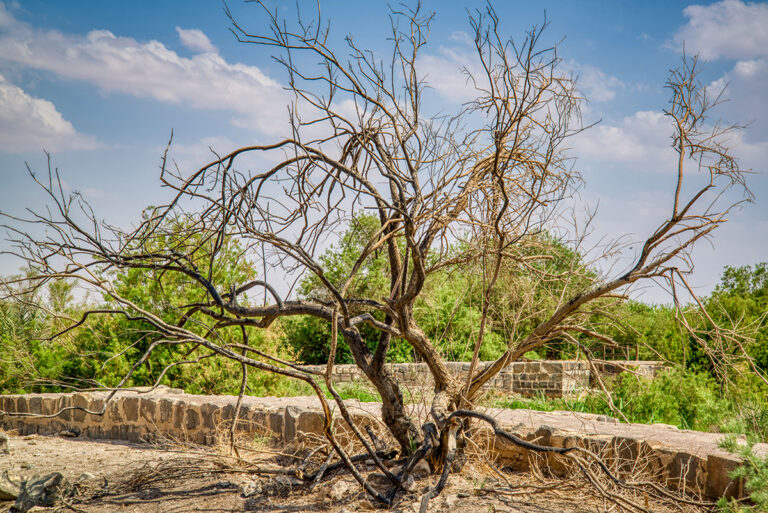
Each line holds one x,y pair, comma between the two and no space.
553,378
646,369
678,458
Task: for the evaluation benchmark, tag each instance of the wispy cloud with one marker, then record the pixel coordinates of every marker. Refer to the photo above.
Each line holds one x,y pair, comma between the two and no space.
196,40
28,123
452,72
448,71
596,85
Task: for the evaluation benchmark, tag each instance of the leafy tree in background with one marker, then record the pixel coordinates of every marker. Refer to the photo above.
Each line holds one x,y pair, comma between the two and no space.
29,359
309,337
650,332
450,308
167,294
740,300
102,350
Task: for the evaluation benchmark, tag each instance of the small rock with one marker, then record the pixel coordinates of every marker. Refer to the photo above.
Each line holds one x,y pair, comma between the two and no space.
86,476
43,491
370,462
225,485
409,485
9,487
249,489
150,493
68,433
253,504
4,444
27,466
338,490
421,469
288,481
462,495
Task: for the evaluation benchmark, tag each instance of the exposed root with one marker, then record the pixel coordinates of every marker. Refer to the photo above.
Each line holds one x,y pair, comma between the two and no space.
622,493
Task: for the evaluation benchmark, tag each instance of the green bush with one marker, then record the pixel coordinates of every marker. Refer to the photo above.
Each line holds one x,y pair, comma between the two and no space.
754,471
682,398
679,397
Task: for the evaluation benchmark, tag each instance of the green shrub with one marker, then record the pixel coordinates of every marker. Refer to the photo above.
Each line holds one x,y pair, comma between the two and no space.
679,397
682,398
754,471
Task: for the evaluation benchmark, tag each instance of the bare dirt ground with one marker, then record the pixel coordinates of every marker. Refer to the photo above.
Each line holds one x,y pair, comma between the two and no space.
121,477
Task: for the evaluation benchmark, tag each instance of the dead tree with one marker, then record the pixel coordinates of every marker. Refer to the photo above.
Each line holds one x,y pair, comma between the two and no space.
494,175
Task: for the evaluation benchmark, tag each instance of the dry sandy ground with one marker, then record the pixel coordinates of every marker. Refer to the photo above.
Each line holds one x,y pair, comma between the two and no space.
126,478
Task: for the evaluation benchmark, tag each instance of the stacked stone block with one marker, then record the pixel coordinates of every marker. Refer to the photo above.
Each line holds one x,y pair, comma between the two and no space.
676,458
554,378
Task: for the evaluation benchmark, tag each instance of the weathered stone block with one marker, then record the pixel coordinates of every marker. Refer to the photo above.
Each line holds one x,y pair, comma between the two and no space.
209,412
65,401
244,422
36,405
688,472
164,414
8,404
97,405
22,405
658,459
275,422
290,423
625,452
311,422
719,483
178,415
80,402
226,414
192,419
131,409
50,405
147,406
113,415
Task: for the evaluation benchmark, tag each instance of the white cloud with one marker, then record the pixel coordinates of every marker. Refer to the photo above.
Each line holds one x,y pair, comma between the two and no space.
639,142
28,123
191,155
594,83
462,37
729,29
736,31
745,89
445,72
196,40
149,70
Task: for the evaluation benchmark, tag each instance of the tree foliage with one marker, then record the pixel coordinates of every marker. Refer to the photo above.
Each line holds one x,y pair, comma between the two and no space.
740,301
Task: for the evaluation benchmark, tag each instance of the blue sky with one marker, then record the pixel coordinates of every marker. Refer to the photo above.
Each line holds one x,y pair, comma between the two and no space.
101,84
